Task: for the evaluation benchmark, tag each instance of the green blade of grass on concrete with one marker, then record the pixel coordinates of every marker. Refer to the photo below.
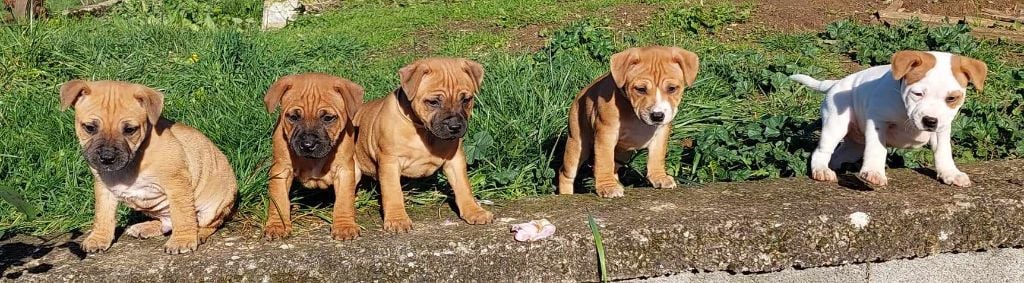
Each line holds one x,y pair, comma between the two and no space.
601,261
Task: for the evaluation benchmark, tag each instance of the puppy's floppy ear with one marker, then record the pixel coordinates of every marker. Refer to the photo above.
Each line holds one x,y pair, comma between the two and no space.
152,101
352,93
411,75
687,61
475,70
621,63
903,62
974,70
273,97
70,91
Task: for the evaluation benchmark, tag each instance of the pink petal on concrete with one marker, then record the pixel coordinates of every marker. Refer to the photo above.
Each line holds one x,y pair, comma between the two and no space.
533,230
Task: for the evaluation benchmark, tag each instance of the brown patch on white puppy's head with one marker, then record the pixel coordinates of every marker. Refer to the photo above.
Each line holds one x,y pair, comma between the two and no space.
911,66
316,110
112,119
955,99
653,79
969,70
440,93
934,84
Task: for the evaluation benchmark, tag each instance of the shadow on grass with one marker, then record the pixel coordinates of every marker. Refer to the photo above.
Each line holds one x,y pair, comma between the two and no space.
628,175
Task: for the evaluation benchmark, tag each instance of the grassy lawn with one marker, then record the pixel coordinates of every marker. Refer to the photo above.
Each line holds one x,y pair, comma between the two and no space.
742,120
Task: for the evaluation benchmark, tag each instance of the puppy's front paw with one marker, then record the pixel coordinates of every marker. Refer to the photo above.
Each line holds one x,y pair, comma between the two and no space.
344,231
958,179
145,230
181,244
276,231
479,216
662,182
612,190
95,244
398,224
824,175
873,178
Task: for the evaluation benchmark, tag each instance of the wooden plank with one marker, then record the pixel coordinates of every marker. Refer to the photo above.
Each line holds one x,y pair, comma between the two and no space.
91,9
1002,16
974,21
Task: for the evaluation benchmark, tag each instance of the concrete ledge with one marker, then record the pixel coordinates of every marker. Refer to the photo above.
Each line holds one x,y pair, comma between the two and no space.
1002,265
746,227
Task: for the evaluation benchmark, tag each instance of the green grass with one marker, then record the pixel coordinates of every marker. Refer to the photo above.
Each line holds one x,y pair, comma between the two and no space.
214,73
602,261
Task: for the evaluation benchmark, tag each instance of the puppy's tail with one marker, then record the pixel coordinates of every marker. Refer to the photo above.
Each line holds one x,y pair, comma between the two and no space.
810,82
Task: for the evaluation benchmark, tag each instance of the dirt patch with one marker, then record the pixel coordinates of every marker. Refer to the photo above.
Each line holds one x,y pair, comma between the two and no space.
805,15
530,38
961,8
631,17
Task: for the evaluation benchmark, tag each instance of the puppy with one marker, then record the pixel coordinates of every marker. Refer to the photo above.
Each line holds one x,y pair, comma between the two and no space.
630,108
903,105
313,143
166,170
417,129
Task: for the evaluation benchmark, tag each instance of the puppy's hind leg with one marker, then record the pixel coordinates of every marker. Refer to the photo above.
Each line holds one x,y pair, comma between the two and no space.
848,152
144,230
834,128
576,152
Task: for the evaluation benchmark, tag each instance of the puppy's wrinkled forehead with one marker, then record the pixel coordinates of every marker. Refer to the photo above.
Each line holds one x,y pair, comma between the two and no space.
654,63
445,76
110,100
314,91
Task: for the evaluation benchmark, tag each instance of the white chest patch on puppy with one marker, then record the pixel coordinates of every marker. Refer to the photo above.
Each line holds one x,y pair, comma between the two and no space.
143,195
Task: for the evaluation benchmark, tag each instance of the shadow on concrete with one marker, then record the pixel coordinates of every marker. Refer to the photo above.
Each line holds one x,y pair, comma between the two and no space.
14,255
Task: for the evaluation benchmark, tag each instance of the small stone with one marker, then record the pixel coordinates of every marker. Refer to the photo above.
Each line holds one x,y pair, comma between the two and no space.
859,219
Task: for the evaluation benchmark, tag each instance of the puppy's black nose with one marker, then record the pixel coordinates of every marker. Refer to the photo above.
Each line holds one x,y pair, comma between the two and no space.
454,127
929,122
657,117
107,157
308,145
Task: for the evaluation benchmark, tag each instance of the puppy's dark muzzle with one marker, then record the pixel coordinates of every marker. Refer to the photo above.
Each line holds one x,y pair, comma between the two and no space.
310,145
449,128
108,157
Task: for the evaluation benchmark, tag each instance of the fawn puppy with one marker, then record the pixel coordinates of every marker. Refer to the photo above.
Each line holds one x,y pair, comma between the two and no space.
628,109
166,170
418,129
313,143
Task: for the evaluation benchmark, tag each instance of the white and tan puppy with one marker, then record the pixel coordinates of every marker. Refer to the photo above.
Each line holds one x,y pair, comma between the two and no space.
628,109
166,170
903,105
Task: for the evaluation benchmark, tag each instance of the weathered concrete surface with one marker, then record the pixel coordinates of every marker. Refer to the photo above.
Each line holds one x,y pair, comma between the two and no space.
738,227
1001,265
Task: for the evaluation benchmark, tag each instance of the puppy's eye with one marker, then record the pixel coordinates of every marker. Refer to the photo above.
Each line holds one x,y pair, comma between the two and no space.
672,89
917,93
434,103
89,128
640,89
128,130
951,99
329,118
294,117
467,100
